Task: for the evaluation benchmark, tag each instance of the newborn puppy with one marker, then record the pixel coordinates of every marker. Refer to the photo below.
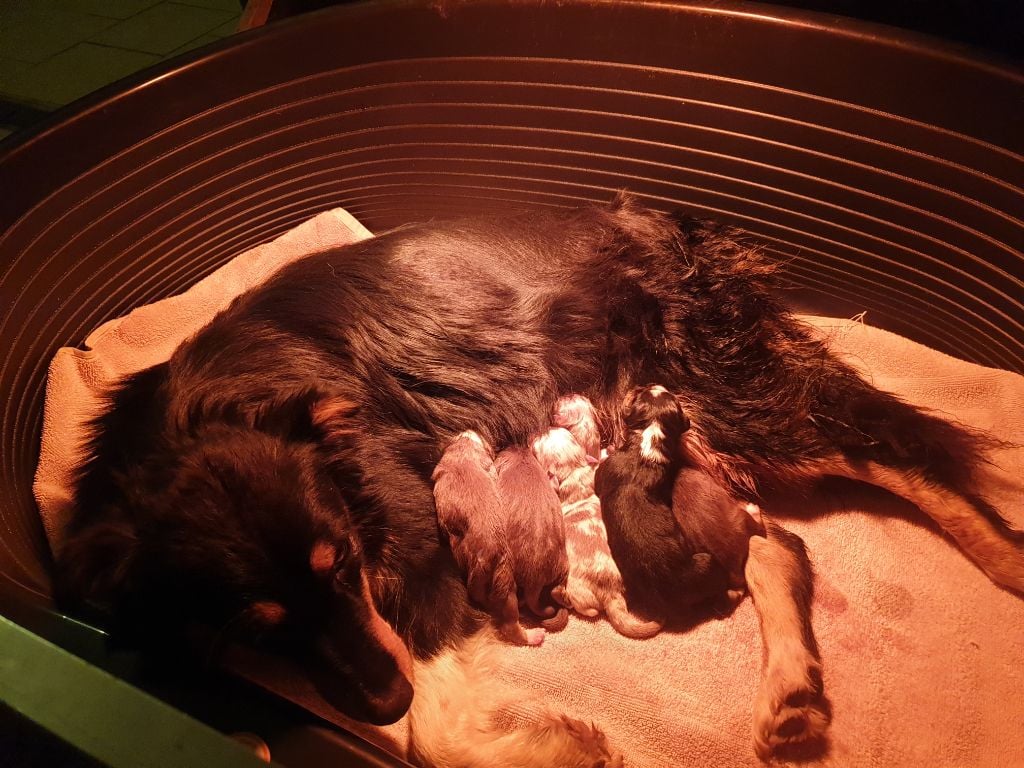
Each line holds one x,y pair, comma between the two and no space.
576,414
595,584
714,521
661,569
535,533
471,512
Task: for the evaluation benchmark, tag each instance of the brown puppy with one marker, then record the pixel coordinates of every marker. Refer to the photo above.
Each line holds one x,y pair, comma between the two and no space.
594,585
716,522
535,531
470,511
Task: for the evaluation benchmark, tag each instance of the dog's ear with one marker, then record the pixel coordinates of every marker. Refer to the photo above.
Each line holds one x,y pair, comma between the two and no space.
334,414
306,413
96,565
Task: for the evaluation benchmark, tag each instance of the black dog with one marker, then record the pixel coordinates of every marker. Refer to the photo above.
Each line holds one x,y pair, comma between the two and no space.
274,474
662,571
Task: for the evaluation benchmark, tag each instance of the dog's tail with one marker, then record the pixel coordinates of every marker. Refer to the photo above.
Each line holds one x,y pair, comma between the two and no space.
933,462
627,624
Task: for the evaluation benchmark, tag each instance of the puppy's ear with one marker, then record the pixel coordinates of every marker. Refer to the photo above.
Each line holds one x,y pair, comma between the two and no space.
96,565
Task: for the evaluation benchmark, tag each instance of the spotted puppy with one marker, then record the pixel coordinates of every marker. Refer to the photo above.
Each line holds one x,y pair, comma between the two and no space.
662,571
471,512
576,414
595,584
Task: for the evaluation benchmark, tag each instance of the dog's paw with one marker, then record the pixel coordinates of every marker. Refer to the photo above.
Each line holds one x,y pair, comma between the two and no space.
791,708
592,745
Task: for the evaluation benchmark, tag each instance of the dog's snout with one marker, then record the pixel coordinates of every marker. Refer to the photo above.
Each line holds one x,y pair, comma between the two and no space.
389,705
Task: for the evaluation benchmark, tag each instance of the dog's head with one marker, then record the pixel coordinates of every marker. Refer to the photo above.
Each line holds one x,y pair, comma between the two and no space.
245,532
655,413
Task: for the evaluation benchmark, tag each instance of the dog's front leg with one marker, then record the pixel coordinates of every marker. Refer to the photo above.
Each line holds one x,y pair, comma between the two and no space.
791,707
453,721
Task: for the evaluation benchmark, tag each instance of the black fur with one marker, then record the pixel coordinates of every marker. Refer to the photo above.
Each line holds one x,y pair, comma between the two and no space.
661,569
316,405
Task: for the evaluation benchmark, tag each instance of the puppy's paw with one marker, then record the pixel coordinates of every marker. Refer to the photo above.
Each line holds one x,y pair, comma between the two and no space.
791,708
534,636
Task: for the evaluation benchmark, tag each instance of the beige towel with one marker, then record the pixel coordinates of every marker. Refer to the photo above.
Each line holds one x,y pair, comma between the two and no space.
148,335
924,657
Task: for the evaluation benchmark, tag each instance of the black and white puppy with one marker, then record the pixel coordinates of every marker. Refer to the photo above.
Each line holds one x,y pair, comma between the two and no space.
662,571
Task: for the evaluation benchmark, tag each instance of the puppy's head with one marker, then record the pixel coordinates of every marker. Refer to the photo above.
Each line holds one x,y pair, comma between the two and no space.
246,534
559,454
467,449
653,412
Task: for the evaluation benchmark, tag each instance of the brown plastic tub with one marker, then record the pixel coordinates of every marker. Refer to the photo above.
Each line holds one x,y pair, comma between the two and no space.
887,168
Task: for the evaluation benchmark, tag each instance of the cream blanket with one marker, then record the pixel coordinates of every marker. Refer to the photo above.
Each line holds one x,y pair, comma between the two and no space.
923,656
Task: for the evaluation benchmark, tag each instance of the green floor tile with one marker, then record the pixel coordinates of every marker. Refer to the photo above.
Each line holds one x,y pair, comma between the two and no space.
227,28
112,9
223,5
12,72
81,70
197,43
35,34
162,28
17,86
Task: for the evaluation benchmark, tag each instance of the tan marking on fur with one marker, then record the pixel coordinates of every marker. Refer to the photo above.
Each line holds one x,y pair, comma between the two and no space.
267,612
791,671
386,636
453,722
1001,559
322,557
334,415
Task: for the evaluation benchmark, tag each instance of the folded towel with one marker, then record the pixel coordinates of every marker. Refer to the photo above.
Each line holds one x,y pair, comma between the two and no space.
922,654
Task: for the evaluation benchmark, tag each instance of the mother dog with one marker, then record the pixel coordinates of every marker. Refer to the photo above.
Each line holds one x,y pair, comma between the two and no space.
272,478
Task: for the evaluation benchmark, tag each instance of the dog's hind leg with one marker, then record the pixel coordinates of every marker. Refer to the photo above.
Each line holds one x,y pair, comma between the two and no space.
931,461
453,720
791,708
974,524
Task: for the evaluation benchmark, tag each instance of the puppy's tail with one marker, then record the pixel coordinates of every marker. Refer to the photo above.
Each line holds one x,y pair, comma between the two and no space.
558,622
627,624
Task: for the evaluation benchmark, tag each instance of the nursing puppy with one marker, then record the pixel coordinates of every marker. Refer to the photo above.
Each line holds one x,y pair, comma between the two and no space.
712,520
661,569
594,585
535,534
576,414
473,515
